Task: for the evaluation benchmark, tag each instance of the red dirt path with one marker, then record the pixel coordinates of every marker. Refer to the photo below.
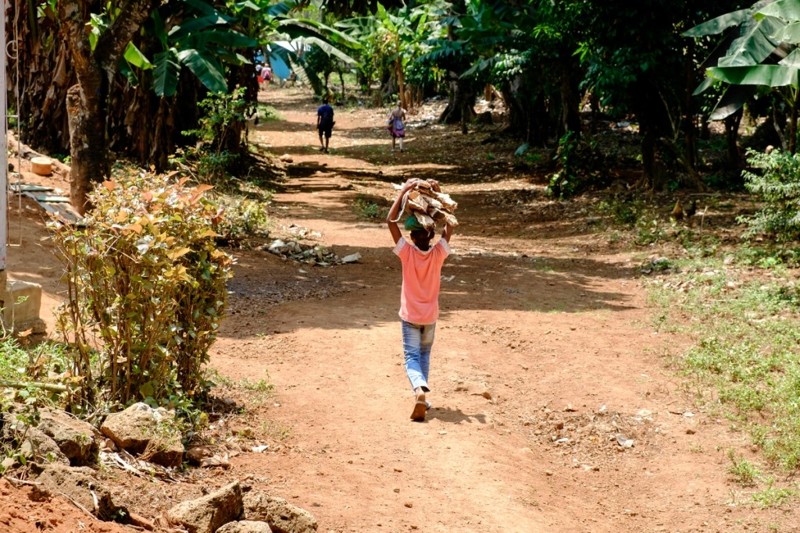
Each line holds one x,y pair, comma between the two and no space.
545,361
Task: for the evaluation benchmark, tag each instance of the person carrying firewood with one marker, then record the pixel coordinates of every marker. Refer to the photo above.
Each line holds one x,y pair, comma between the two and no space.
419,296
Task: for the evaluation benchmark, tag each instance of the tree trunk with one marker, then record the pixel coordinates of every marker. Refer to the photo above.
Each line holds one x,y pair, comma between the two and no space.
400,77
528,114
461,103
570,97
88,100
793,128
88,150
732,137
689,129
649,174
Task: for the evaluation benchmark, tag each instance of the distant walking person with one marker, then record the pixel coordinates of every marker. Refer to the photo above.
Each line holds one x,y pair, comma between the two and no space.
419,297
325,124
397,125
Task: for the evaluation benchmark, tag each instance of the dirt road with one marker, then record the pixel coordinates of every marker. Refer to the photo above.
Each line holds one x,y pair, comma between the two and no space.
554,408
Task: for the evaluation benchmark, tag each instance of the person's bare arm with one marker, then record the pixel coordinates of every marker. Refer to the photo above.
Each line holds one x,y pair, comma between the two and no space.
394,211
447,232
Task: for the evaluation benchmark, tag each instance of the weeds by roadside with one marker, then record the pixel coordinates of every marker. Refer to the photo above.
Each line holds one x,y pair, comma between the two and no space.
745,322
368,210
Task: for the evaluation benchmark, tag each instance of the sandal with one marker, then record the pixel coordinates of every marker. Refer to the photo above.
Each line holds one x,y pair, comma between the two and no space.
420,408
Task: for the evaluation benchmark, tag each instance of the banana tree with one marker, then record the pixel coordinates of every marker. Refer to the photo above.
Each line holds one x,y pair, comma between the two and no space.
765,54
201,43
394,39
313,48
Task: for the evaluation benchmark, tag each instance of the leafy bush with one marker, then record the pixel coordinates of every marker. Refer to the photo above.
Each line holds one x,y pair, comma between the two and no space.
23,364
147,288
776,180
563,183
241,218
622,212
367,209
578,162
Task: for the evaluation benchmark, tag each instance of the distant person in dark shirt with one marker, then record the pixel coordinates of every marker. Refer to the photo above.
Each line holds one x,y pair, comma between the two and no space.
325,124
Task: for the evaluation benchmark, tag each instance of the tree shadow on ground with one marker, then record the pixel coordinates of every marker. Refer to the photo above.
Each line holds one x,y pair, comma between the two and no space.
369,297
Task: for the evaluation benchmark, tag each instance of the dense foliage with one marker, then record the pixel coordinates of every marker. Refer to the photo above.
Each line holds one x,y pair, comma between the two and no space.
775,179
550,61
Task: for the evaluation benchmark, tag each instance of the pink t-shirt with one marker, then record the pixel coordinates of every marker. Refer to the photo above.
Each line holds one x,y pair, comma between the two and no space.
419,297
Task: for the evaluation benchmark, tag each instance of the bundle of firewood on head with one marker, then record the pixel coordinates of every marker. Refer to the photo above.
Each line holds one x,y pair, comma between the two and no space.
428,206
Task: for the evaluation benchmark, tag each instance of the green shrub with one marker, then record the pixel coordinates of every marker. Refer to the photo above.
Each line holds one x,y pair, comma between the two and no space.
622,212
240,219
564,182
147,288
21,365
776,180
578,162
368,209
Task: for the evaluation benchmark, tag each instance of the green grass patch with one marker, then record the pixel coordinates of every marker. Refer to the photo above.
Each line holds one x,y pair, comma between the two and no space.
26,368
268,113
772,496
746,323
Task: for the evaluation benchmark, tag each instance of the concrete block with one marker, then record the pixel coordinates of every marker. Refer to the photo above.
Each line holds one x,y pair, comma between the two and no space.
21,302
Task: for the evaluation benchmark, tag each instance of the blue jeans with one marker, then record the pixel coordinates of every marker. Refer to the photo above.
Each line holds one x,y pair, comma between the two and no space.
417,344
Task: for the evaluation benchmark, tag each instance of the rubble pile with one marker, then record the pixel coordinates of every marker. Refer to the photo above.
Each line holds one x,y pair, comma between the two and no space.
314,255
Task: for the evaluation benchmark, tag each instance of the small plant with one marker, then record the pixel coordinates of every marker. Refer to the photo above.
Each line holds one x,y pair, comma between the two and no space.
624,213
220,132
563,183
367,209
17,423
267,112
649,230
240,219
21,366
742,471
261,385
773,496
260,391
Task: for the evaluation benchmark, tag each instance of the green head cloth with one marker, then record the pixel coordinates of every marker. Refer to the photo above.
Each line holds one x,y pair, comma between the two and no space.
412,224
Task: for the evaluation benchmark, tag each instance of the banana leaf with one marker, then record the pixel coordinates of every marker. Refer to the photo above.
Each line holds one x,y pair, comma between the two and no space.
165,72
754,44
786,10
205,68
731,101
719,24
766,75
792,60
788,34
